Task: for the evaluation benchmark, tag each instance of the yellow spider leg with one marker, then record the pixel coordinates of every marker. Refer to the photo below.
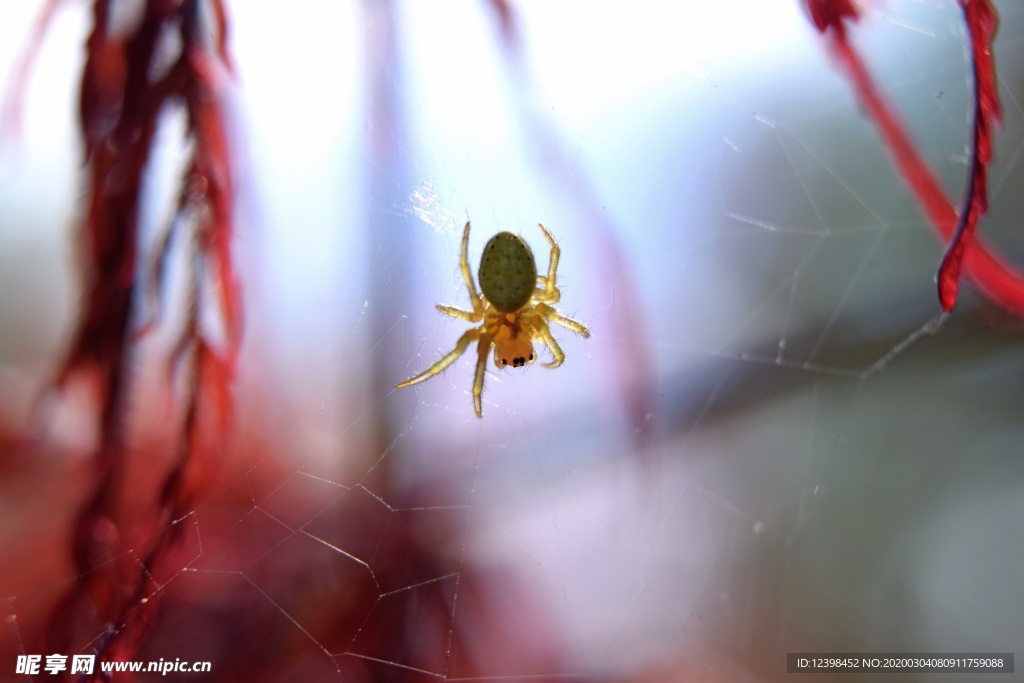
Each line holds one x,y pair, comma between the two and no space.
542,295
454,312
550,290
467,275
543,332
483,350
437,368
568,323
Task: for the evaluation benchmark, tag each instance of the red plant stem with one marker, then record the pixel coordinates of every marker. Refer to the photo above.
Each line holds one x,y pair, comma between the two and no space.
981,22
101,344
929,192
999,281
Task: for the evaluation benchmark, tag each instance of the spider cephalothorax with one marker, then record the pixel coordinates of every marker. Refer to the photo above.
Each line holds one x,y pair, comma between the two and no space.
514,309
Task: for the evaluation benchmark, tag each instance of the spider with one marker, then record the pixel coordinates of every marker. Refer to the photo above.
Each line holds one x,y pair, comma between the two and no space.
515,309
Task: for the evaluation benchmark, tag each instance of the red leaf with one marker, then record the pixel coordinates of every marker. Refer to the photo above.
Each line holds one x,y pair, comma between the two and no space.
982,23
830,14
1001,282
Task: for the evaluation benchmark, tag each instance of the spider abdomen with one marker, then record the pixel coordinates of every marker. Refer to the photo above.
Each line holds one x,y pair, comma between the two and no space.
508,272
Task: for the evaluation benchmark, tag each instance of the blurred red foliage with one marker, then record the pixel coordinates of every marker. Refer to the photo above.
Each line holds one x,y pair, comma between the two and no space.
124,93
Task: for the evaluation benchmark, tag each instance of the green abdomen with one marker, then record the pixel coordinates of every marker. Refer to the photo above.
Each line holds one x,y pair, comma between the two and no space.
508,273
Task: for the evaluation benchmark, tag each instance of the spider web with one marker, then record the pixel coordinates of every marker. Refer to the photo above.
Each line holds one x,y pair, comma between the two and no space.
773,442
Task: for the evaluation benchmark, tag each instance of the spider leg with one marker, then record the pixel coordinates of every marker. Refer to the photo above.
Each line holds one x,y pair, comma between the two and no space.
483,350
437,368
543,332
550,290
568,323
468,316
467,275
542,295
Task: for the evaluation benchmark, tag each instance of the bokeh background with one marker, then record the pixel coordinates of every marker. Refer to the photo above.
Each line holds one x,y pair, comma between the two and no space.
773,442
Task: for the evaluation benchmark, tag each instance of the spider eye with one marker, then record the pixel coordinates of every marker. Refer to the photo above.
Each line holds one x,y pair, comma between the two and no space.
504,362
531,355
